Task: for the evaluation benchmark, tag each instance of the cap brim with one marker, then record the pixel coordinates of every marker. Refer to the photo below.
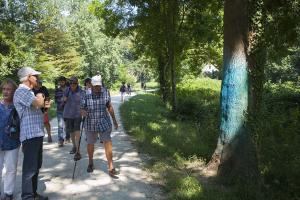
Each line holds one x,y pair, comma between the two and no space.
96,84
35,73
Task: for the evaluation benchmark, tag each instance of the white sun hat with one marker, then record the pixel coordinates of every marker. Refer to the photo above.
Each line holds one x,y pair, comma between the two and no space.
96,80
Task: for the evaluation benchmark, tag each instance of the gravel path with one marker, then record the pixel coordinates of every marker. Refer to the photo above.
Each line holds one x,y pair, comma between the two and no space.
55,177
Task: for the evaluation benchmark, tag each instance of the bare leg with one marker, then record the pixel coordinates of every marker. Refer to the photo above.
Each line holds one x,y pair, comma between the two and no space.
90,151
76,140
109,154
73,139
48,129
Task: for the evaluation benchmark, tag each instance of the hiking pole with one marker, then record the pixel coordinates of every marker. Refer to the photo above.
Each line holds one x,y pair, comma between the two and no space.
83,119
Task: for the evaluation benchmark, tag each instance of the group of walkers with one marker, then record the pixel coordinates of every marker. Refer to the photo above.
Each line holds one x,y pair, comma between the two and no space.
89,106
124,89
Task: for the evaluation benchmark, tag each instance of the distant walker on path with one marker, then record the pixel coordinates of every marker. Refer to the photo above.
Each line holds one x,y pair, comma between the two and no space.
122,91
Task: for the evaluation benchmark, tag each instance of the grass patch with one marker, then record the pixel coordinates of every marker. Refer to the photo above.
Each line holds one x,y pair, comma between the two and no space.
188,138
146,117
152,85
174,145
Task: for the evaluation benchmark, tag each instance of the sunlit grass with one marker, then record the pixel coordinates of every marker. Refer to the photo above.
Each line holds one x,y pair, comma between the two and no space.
170,141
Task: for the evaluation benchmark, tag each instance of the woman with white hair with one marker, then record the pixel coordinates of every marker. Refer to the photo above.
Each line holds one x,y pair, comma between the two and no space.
9,146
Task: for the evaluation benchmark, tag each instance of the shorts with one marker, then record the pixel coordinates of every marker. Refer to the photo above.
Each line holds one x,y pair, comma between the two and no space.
72,124
91,137
46,118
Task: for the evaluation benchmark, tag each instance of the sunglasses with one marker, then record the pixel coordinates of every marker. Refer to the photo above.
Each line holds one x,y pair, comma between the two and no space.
73,83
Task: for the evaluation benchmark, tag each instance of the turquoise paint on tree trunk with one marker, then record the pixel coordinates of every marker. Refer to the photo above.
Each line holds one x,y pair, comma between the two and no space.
234,93
234,157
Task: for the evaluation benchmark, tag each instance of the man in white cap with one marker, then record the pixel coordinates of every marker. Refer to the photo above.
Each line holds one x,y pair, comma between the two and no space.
32,130
97,107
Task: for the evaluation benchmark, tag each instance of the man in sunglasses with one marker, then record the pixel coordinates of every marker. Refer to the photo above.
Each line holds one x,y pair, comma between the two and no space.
71,114
29,107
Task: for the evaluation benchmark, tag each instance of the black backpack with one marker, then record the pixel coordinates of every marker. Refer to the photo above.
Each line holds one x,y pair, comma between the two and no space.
13,125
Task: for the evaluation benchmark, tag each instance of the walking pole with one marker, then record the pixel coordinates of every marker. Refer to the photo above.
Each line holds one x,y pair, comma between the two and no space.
83,119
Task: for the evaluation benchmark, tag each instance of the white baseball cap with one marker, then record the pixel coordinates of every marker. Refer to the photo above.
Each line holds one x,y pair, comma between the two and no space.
96,80
26,71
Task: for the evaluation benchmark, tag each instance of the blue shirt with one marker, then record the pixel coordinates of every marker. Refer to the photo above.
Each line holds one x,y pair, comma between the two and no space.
98,119
32,124
6,142
72,105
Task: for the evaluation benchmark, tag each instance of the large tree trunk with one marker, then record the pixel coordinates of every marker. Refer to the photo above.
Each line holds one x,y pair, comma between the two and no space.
172,17
164,86
235,153
173,77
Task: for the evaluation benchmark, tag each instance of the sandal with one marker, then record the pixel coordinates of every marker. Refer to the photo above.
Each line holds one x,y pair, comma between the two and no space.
90,168
73,150
77,157
60,143
8,197
49,139
113,173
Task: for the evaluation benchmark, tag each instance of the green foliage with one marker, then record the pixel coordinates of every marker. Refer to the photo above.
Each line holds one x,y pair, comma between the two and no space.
143,68
284,69
276,132
14,51
274,40
100,52
198,98
112,19
65,39
125,76
195,58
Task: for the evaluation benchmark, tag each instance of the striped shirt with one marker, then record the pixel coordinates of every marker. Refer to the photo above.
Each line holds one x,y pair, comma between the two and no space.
32,124
98,119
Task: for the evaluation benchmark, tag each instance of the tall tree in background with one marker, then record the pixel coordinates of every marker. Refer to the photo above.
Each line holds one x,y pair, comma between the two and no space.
15,50
167,29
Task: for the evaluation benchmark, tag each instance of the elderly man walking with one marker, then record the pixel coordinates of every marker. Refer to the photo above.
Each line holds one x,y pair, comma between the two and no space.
29,107
96,107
